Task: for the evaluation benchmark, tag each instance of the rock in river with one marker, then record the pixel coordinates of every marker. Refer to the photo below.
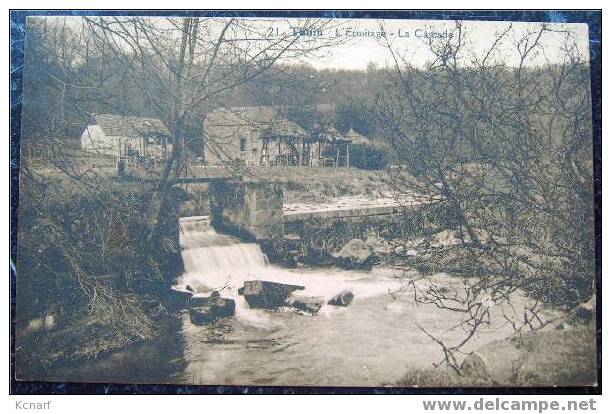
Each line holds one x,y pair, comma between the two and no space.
355,253
305,303
266,295
343,298
206,310
378,245
177,299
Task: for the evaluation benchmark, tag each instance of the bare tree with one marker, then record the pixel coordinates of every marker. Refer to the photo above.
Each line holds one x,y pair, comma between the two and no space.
183,64
506,150
80,232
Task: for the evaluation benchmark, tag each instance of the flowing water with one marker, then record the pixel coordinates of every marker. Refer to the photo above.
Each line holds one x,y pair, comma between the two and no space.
371,342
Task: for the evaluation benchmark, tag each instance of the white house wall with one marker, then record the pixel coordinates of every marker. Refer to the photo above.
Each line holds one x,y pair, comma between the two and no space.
93,139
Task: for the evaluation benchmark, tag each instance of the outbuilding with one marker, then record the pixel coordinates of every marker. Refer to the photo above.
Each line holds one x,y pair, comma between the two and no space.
127,136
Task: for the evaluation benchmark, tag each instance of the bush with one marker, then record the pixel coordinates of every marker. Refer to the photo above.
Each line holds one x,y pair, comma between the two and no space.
369,157
83,256
547,358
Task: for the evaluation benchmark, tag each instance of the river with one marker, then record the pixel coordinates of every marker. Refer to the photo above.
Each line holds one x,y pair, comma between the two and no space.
371,342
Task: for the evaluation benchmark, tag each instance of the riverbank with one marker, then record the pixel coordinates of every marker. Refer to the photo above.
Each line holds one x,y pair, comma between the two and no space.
95,304
90,286
558,357
89,282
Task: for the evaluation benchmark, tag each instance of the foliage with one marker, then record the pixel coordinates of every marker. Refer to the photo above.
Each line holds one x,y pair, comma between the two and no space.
369,157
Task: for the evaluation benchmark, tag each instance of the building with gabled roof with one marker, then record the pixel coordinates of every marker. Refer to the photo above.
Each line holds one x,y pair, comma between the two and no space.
266,136
127,136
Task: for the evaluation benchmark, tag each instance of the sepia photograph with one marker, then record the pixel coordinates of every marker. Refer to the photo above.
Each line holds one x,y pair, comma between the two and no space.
310,200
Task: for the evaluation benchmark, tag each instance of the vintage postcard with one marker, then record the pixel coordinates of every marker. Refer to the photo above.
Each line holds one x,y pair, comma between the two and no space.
224,199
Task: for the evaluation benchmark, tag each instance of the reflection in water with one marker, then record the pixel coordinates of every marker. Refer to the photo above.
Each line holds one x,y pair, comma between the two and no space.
372,341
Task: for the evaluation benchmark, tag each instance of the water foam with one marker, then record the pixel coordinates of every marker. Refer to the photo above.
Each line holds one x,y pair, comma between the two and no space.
219,262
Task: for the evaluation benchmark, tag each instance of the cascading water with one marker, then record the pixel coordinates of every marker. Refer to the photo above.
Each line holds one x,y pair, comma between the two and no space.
214,261
219,262
371,341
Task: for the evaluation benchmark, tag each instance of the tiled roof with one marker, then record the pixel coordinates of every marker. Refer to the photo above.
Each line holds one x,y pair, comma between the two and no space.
259,117
131,126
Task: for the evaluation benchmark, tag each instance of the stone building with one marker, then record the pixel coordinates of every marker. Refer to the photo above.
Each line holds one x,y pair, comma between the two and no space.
265,136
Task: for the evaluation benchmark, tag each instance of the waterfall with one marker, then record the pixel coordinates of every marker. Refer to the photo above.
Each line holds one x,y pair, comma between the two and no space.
216,261
219,262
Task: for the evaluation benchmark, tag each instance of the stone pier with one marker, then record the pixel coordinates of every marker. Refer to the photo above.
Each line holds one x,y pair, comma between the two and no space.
253,209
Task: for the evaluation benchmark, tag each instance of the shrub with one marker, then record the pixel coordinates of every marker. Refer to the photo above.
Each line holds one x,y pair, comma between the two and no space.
369,157
83,256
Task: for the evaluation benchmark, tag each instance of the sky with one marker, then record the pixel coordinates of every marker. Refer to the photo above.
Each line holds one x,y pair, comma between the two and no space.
358,42
361,42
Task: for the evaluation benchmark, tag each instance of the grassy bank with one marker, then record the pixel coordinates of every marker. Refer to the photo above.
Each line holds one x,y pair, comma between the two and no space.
89,280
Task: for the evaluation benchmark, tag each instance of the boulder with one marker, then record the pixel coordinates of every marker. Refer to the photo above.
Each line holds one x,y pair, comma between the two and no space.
496,362
206,310
196,301
343,298
266,295
197,288
355,253
378,245
177,299
291,242
50,322
306,303
399,250
291,237
475,366
35,325
445,238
